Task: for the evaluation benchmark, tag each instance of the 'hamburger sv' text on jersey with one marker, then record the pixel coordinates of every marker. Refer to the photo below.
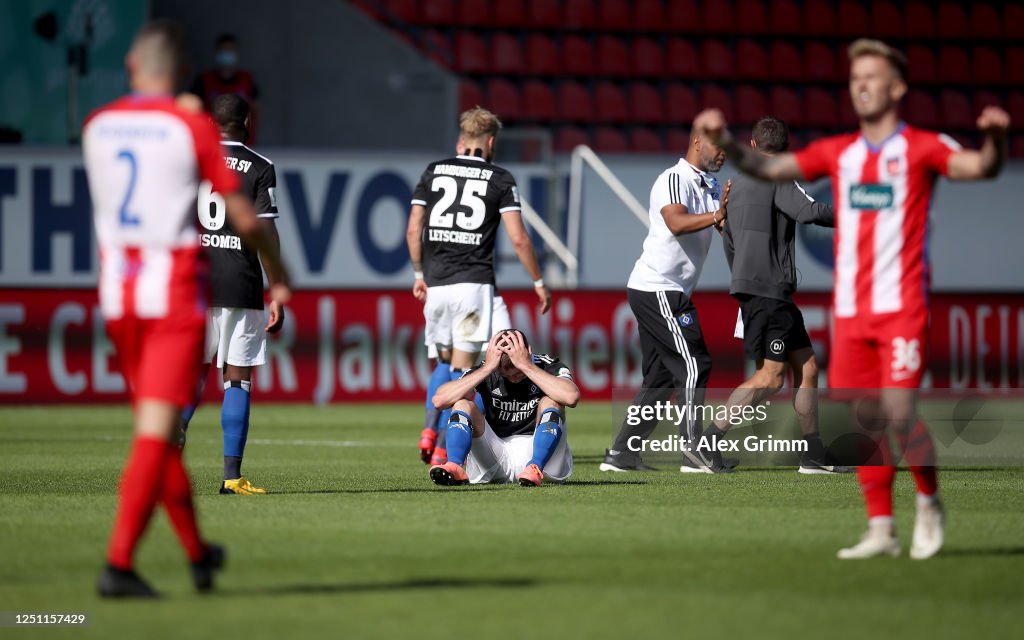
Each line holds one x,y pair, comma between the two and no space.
464,198
235,272
511,407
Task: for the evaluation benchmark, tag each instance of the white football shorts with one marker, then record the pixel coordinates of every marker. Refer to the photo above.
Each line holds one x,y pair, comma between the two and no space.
500,321
459,316
237,336
501,460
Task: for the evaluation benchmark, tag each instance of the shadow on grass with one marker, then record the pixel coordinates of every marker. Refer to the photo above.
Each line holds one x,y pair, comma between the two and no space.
426,489
371,587
981,551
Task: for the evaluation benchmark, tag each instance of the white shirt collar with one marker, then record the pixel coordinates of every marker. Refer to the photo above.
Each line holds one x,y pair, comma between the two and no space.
478,158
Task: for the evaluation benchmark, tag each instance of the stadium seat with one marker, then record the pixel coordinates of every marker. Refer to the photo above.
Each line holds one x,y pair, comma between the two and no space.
648,58
677,141
987,66
716,97
507,54
404,11
544,14
579,14
610,103
1017,147
852,19
1015,66
577,56
437,12
819,18
920,109
785,104
471,55
847,116
952,20
819,62
982,99
644,140
680,104
985,22
474,13
542,55
1015,105
574,102
1013,21
610,140
470,94
785,18
956,110
568,138
954,67
612,57
751,105
437,47
681,59
645,104
718,17
921,66
649,15
538,101
510,14
717,60
613,15
786,62
920,21
751,17
820,109
503,97
683,16
886,19
751,60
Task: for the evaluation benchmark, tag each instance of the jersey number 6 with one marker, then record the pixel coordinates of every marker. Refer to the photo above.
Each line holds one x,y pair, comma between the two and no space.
212,210
441,217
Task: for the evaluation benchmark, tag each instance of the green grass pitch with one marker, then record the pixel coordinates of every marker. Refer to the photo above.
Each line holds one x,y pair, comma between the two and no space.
354,542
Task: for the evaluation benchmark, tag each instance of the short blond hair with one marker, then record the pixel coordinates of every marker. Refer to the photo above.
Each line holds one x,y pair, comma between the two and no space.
478,123
868,47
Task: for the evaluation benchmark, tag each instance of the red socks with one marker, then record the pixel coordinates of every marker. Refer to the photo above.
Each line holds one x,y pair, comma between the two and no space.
876,483
919,452
176,498
137,496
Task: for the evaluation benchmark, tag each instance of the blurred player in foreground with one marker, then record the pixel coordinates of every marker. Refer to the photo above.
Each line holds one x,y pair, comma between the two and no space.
520,434
882,180
237,326
145,157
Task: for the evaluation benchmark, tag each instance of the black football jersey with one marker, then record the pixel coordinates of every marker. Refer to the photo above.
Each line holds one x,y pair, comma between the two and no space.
511,408
235,272
464,197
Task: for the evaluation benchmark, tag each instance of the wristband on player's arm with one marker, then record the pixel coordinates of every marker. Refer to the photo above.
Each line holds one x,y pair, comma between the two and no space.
418,275
538,283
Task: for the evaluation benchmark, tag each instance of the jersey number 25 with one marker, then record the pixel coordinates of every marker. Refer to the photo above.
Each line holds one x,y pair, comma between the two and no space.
441,217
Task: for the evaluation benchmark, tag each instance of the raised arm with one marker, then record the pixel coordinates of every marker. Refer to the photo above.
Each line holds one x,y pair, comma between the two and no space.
520,238
776,168
462,389
414,239
988,161
561,390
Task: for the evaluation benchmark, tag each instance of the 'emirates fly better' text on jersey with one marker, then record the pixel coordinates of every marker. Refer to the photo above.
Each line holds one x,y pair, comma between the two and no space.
511,408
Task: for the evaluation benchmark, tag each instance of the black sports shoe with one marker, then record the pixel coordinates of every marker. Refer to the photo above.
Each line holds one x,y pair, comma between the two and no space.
698,462
202,571
811,466
623,461
118,583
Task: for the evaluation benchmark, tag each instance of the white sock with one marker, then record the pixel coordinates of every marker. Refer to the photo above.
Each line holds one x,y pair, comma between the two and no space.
881,523
924,500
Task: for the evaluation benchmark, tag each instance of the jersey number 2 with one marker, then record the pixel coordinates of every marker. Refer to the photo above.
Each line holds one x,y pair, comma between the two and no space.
212,209
127,218
441,217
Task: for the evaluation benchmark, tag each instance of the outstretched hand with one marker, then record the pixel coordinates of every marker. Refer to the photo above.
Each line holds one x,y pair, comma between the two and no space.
723,207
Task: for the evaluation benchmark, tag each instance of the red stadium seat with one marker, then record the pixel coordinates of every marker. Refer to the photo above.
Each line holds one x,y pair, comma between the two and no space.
644,140
568,138
612,57
786,17
956,110
510,14
820,108
507,54
786,61
819,62
921,66
751,60
717,59
920,22
1017,147
987,66
503,97
649,15
683,16
680,104
579,14
471,55
718,17
886,19
474,13
542,55
954,67
852,19
1015,105
610,140
645,104
677,141
953,21
470,95
578,56
437,47
751,105
751,17
982,99
847,116
610,102
614,15
819,18
648,58
437,12
919,109
681,59
574,102
538,101
1013,21
787,106
716,97
1015,66
985,22
544,14
404,10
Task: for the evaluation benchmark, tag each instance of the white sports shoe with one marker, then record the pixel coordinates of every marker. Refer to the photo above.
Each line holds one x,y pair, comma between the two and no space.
929,529
878,541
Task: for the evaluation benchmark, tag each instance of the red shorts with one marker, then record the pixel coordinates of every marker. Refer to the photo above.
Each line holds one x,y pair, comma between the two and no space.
161,359
878,351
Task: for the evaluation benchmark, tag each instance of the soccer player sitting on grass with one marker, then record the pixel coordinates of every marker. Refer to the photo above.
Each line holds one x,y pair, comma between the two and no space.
521,433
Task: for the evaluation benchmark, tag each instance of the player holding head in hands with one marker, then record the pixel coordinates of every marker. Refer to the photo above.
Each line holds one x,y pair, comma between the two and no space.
520,433
145,157
457,207
882,181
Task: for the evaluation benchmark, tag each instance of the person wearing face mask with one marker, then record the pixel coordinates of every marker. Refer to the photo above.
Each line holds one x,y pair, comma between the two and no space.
228,77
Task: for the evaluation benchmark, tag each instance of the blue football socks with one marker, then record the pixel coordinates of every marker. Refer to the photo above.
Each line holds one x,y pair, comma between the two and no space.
547,436
459,438
234,421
